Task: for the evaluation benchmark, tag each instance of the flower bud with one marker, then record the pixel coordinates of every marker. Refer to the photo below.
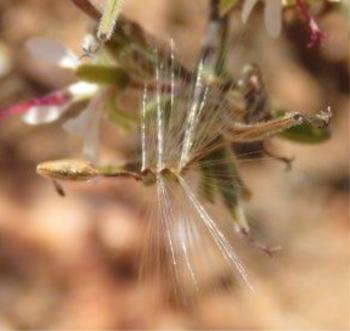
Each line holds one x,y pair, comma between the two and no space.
76,170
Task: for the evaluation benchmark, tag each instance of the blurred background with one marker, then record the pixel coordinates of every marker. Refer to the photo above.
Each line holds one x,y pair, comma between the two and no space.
70,263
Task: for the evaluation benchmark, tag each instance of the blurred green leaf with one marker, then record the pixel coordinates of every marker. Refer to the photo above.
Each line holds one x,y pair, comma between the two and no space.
306,133
226,5
108,170
103,74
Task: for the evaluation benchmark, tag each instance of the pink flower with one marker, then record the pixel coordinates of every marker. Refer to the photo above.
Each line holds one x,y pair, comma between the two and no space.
39,110
49,108
317,36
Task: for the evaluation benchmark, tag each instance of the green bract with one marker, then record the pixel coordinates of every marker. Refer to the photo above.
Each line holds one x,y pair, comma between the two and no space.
101,74
306,133
109,19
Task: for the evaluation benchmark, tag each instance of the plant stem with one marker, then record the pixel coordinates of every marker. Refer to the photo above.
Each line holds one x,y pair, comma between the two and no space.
214,46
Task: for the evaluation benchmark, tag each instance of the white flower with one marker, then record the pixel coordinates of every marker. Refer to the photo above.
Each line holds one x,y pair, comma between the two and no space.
272,15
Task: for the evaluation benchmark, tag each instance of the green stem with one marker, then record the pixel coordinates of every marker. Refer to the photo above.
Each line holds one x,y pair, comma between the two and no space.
214,46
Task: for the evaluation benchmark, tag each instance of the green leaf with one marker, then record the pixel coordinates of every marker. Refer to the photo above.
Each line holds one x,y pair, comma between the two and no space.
103,75
109,19
207,183
225,6
307,133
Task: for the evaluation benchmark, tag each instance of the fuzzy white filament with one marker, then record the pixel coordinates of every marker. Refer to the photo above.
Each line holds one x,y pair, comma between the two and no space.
224,246
144,141
192,118
172,57
160,122
177,133
179,123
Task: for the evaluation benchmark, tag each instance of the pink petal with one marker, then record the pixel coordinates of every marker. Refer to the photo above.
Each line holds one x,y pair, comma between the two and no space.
56,99
317,36
273,17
